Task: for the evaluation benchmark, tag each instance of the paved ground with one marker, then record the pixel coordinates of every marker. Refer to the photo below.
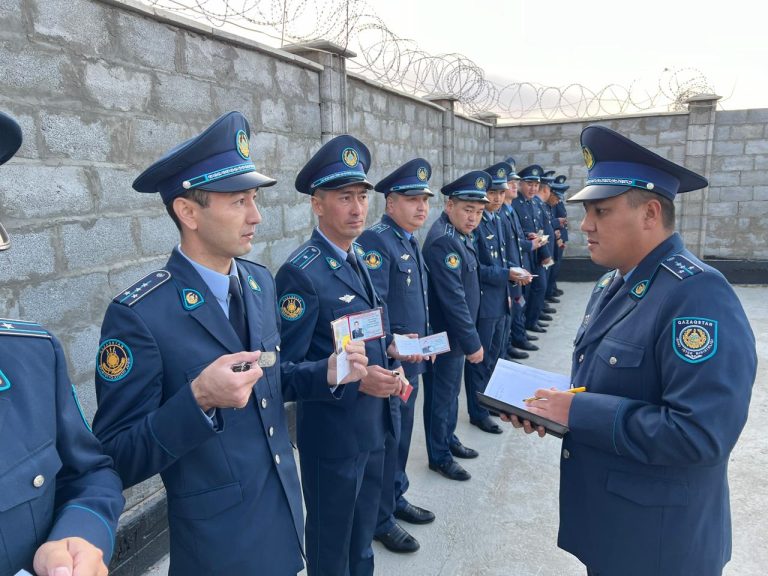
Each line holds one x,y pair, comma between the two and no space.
504,520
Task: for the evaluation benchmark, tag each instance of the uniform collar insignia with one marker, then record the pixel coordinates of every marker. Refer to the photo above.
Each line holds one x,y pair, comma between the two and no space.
332,262
253,284
4,382
191,299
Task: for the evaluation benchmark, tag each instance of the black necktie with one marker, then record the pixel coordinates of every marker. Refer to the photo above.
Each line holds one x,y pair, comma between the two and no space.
352,260
610,292
415,246
237,311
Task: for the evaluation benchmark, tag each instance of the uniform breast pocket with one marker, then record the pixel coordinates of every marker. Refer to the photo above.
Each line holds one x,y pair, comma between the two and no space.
618,354
405,277
27,491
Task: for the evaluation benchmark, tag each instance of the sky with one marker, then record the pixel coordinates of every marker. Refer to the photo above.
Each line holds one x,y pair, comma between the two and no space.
596,43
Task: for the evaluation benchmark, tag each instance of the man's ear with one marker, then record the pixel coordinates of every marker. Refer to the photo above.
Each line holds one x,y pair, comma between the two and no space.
186,211
652,213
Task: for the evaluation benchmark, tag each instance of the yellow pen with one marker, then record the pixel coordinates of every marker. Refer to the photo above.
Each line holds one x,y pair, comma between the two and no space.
571,390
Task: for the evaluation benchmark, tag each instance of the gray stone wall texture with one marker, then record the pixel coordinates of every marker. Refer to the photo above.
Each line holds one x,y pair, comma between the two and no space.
103,88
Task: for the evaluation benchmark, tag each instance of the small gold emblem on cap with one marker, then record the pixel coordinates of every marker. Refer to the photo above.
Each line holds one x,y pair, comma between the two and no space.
349,157
480,183
589,159
421,174
243,146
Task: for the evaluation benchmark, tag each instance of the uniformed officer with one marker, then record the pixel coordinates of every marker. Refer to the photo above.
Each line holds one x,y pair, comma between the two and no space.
396,267
668,358
341,445
520,247
60,499
530,216
189,380
541,199
560,224
454,301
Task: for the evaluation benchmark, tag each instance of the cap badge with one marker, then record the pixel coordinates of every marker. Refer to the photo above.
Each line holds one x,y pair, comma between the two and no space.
501,173
589,160
480,183
421,174
242,144
349,157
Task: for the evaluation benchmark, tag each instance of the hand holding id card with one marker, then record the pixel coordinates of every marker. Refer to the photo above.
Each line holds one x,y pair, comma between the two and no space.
365,325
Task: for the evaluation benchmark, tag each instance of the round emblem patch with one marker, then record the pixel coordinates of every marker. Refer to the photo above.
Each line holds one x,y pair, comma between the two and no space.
501,173
372,259
114,360
589,160
694,339
242,144
349,157
453,260
480,183
421,173
291,307
192,298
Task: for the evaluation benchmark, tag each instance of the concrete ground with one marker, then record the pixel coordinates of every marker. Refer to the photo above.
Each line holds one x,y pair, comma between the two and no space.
504,520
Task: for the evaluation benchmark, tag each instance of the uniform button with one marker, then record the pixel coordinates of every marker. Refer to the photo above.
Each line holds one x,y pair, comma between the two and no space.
277,348
271,431
581,358
38,481
277,458
263,402
566,454
612,360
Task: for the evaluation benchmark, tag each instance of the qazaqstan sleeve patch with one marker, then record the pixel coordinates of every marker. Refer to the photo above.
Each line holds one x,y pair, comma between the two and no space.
292,307
694,339
114,361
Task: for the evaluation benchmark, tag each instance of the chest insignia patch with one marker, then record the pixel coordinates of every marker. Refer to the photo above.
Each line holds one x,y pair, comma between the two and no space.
114,361
347,298
292,307
694,339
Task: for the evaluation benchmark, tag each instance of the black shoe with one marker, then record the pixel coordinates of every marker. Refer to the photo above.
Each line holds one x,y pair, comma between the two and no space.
549,310
537,329
527,346
398,540
461,451
487,425
414,515
513,354
553,300
531,338
545,317
558,292
451,470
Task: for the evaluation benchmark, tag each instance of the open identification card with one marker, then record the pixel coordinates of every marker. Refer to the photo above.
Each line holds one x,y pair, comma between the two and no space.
365,325
426,346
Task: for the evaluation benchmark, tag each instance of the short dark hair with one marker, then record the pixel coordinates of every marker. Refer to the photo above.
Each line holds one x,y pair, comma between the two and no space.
636,197
196,195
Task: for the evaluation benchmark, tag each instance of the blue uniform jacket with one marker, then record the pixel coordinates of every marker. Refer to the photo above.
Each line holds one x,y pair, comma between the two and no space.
669,365
315,288
55,482
234,501
492,250
545,213
531,220
400,278
518,240
559,211
454,285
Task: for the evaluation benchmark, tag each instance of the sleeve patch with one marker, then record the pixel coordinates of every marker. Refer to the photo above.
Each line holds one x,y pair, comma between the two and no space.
114,360
453,260
694,339
292,307
373,259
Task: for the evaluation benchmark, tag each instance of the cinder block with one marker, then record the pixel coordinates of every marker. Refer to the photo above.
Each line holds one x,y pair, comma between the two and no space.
179,96
255,70
140,40
43,191
59,301
117,88
77,23
32,256
157,235
87,245
76,137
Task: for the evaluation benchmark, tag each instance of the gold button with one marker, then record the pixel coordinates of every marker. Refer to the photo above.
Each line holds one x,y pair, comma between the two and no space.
612,361
581,358
566,454
38,481
263,402
277,458
271,431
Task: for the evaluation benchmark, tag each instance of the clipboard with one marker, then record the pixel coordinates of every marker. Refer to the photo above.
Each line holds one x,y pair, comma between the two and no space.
554,428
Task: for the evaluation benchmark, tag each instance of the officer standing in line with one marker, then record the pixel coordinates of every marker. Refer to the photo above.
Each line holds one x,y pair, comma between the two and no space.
181,394
396,267
454,300
542,201
341,445
560,223
668,358
61,499
531,221
519,339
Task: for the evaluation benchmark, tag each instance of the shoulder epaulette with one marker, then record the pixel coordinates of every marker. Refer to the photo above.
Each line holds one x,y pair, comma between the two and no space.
450,230
305,257
140,289
605,279
379,228
22,328
681,267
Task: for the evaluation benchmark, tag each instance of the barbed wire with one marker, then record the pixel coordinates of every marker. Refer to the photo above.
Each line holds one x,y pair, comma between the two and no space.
400,64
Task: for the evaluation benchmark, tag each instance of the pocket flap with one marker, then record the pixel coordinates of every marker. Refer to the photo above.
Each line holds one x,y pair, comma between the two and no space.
207,503
618,354
29,478
648,490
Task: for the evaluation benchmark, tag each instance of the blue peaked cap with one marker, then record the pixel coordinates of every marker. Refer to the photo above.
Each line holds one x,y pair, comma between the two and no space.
217,160
499,176
410,179
341,161
548,177
559,186
512,175
532,173
471,187
10,137
616,164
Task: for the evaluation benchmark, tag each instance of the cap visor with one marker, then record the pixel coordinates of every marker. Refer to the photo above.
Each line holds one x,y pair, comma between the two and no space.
470,198
597,193
240,182
341,182
414,192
